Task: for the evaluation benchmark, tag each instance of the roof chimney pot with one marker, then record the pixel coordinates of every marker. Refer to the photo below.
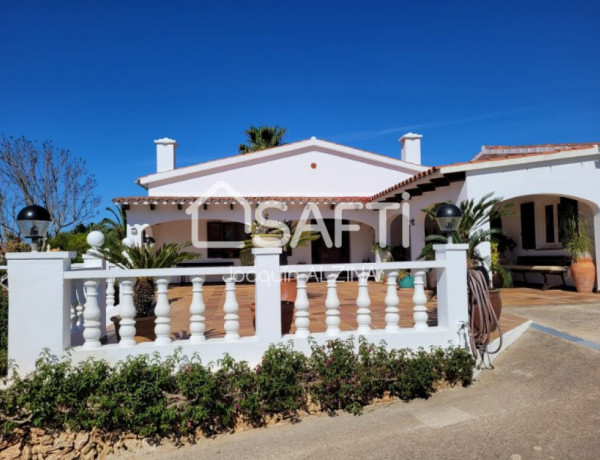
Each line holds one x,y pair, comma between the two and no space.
411,148
165,154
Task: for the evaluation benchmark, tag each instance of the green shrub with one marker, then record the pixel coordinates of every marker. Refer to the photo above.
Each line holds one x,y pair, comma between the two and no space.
151,398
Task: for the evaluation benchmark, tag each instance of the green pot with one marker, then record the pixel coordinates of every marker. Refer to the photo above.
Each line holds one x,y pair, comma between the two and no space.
408,282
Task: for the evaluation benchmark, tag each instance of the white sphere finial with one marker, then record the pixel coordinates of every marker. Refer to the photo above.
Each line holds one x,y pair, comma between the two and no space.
128,242
95,239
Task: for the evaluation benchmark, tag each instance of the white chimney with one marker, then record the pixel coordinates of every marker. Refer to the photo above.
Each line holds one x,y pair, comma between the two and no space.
165,154
411,148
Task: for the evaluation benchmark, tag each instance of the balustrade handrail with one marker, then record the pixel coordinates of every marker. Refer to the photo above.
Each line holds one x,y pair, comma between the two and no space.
359,267
156,272
87,273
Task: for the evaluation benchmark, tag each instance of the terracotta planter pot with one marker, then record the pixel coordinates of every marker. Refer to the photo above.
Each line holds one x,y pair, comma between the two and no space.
289,289
144,328
287,316
584,274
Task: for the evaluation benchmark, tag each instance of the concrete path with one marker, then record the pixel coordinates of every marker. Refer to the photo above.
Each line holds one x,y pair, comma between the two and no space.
541,401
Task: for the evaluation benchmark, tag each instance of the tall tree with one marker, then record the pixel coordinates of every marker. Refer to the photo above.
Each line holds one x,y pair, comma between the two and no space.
33,173
262,137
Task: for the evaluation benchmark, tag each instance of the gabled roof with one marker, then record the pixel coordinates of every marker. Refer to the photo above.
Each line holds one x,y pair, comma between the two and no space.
278,152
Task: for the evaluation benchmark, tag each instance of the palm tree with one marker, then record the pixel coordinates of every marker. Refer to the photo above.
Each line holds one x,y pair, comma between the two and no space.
146,256
262,137
474,215
117,226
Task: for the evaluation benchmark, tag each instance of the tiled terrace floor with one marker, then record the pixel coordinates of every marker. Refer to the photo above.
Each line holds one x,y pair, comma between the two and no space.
214,297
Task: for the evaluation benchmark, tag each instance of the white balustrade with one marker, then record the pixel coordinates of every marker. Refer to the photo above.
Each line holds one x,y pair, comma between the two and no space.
419,301
332,303
75,304
91,316
162,310
392,313
127,313
231,309
110,292
302,316
363,302
197,309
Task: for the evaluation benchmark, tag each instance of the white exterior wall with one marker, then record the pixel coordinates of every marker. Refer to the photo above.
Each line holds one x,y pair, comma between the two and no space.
334,175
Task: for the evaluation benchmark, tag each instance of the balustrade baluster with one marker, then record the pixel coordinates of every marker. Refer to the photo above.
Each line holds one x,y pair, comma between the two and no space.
91,316
419,301
110,292
302,316
162,327
127,313
392,313
333,305
231,308
74,305
197,309
363,302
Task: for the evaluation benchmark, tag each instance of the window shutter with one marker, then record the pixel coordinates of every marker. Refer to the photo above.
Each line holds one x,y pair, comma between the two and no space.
528,225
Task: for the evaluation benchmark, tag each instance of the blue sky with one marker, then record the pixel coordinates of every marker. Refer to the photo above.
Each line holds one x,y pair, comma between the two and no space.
104,79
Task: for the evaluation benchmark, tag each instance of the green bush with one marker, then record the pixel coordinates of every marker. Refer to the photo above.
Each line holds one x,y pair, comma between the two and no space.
151,398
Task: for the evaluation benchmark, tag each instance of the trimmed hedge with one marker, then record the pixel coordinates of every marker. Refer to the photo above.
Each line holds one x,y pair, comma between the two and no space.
178,397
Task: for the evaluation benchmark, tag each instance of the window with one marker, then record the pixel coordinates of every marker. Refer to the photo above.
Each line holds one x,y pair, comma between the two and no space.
225,231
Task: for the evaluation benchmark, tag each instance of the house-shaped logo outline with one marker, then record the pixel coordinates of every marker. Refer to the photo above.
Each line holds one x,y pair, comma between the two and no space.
213,192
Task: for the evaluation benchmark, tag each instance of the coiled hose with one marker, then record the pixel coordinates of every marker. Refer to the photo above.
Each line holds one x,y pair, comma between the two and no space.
482,318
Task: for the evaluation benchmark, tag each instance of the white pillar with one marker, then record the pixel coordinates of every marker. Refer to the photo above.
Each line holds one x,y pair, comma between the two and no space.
267,293
452,296
40,306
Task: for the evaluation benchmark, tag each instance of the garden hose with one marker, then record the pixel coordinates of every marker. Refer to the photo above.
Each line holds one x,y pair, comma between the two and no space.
482,318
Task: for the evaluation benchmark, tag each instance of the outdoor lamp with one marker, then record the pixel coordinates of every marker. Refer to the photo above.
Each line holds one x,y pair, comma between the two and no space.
34,221
149,241
448,218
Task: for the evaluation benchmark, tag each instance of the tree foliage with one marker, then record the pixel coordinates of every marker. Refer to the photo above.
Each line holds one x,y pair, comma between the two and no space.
475,214
34,173
261,138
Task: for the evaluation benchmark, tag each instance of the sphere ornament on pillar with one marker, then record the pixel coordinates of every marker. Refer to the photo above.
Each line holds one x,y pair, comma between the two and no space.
95,239
34,222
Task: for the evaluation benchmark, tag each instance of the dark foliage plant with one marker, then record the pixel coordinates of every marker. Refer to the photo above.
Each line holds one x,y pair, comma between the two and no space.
185,398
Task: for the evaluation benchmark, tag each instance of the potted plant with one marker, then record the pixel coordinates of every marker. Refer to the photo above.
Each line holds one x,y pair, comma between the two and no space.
405,280
140,257
579,244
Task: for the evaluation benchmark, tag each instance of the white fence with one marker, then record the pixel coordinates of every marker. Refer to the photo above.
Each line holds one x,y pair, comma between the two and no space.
59,306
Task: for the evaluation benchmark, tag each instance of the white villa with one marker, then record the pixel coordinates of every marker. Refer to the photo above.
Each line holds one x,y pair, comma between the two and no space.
542,181
63,306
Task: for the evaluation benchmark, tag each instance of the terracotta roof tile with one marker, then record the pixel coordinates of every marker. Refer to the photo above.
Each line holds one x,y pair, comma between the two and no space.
228,200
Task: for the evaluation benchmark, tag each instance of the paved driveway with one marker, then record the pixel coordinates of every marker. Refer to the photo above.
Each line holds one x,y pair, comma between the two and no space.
541,401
